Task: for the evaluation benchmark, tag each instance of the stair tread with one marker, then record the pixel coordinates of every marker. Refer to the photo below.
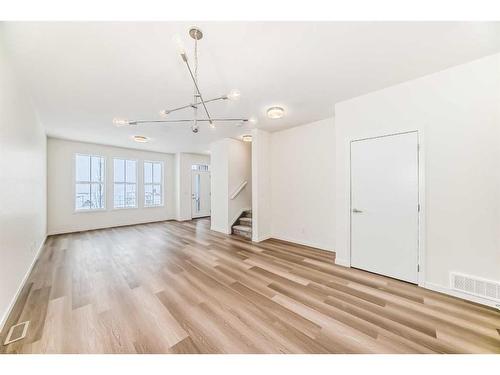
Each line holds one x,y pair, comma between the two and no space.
248,219
243,228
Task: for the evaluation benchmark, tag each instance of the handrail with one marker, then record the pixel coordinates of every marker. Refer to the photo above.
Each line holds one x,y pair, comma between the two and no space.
240,188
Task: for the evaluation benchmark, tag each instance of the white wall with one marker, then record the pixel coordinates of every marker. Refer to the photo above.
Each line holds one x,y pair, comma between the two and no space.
240,170
61,215
22,185
219,156
303,184
261,185
457,111
231,165
184,161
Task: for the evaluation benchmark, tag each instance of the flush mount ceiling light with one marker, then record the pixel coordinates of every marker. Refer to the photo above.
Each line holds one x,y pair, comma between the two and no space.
275,112
198,100
246,138
140,139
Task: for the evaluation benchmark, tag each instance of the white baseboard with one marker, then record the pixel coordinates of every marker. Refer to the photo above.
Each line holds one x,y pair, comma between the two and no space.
304,243
458,294
220,230
4,318
342,262
261,238
73,229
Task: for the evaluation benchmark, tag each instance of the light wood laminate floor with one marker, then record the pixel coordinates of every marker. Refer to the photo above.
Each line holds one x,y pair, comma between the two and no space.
174,287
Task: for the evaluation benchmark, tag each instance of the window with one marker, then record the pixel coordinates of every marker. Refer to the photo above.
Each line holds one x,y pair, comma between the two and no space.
200,167
153,183
89,182
125,183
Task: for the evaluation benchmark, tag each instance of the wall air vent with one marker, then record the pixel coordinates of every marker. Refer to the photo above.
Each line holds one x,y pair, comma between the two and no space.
17,332
476,286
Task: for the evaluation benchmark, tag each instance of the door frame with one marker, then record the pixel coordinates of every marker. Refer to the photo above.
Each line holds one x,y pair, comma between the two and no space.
210,192
421,254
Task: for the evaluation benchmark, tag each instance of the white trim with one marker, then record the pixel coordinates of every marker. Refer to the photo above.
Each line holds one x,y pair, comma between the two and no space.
458,294
4,318
156,206
303,243
163,184
193,172
220,230
421,200
125,183
260,238
422,225
104,183
77,212
124,208
65,230
342,262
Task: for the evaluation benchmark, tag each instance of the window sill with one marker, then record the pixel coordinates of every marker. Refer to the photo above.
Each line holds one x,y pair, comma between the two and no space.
124,208
89,211
157,206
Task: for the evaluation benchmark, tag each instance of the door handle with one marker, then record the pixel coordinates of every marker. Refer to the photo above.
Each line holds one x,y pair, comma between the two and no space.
356,211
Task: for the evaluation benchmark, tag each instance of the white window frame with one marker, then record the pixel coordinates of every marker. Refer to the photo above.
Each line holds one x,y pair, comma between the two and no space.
200,167
103,183
162,183
126,183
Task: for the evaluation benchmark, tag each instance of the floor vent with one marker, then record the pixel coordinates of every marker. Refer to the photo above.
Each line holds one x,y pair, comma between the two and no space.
476,286
17,332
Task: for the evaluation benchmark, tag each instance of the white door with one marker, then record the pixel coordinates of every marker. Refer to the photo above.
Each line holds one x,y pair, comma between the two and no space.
200,193
384,205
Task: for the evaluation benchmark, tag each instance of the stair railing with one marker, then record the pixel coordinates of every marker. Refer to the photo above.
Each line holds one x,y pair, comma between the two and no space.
239,189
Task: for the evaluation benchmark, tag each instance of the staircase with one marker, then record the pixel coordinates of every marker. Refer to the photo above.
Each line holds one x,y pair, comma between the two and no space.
243,226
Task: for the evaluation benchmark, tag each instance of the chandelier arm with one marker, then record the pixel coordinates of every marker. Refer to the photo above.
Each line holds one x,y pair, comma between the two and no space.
193,105
198,90
136,122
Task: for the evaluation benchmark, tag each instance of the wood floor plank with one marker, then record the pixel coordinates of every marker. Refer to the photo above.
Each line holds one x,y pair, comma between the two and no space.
178,287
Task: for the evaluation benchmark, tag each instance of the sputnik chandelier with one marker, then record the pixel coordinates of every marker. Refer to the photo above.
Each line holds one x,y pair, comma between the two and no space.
198,100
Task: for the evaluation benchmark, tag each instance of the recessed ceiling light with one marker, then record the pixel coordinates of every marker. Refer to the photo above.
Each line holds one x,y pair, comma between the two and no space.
275,112
246,138
140,139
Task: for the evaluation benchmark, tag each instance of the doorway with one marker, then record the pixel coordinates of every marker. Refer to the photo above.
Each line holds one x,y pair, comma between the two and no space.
200,190
385,205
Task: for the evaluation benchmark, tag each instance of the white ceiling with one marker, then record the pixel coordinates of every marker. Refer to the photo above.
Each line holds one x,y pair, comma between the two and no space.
82,75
